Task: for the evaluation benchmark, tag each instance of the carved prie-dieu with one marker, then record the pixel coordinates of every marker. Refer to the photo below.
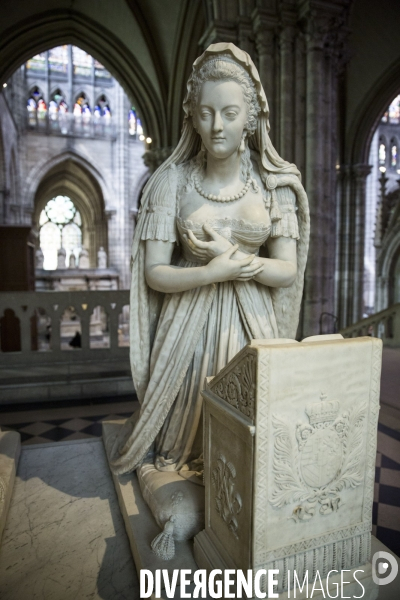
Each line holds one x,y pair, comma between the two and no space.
325,460
228,501
238,386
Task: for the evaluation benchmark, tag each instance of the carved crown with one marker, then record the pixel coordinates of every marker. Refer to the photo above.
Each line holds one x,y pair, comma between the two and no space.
325,410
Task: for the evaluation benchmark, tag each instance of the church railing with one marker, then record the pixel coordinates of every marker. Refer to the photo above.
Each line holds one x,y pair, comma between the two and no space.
384,325
43,327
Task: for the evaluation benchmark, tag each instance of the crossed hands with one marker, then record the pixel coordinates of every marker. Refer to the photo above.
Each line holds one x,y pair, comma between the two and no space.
219,255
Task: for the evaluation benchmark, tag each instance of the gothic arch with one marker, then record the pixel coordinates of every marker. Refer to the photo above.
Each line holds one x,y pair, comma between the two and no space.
38,174
71,178
2,179
51,28
371,110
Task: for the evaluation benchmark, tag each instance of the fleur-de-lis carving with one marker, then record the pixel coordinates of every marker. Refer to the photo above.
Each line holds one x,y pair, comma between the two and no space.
228,501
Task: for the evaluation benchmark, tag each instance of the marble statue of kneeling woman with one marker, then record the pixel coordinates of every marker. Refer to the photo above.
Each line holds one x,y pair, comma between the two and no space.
218,259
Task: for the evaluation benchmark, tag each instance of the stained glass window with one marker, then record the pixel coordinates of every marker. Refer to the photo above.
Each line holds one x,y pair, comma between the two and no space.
82,62
37,62
58,59
382,154
393,162
132,121
82,110
102,108
60,226
36,107
394,111
100,71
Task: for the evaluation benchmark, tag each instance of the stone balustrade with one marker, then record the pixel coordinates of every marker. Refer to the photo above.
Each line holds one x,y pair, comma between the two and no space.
68,124
37,327
384,325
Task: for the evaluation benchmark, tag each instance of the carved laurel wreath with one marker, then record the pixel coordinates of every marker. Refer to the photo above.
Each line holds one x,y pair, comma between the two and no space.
290,485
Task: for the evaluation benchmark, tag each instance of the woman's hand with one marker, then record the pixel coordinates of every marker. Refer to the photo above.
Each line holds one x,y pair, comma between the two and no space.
224,268
206,251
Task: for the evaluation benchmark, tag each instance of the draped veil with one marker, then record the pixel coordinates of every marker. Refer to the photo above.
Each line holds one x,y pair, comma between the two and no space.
145,304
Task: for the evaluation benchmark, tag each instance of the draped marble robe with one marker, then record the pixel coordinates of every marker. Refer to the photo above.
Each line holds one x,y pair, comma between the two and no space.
177,339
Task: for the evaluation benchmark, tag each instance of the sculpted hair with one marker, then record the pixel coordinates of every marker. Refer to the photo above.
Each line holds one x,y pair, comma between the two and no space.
225,69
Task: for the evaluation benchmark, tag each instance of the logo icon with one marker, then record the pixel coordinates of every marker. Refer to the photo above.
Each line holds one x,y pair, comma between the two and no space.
384,568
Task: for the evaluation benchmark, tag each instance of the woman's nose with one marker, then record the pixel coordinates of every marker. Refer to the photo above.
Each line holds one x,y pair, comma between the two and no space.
218,124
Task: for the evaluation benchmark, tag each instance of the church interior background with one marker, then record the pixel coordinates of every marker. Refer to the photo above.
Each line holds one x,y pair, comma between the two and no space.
90,106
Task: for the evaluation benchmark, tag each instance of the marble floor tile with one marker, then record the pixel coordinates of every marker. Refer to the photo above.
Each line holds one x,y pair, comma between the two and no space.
76,424
389,516
390,477
36,428
65,537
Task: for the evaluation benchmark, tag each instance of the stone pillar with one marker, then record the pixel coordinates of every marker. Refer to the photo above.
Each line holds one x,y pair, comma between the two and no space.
361,171
314,303
325,34
287,97
264,27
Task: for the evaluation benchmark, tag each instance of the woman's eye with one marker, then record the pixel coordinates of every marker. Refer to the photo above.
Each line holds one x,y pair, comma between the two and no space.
204,114
231,114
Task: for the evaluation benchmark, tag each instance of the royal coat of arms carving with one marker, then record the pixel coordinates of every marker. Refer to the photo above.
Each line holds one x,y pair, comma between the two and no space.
324,459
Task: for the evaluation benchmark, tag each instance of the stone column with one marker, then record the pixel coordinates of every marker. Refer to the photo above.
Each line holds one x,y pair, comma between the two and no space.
314,301
287,96
264,27
361,171
325,34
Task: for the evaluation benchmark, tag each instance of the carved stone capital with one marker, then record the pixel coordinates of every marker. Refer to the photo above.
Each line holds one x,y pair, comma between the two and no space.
361,171
265,27
287,38
219,31
326,29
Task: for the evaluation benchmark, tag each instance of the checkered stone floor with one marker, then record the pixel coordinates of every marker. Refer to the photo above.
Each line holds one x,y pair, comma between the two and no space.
386,509
46,425
65,430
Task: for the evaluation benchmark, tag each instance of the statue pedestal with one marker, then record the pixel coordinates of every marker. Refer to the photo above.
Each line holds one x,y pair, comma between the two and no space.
290,447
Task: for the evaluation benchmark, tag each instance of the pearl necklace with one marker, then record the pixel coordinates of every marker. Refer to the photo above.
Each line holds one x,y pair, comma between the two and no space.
200,190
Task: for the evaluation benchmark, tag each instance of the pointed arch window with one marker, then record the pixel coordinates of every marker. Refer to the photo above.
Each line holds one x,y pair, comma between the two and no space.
82,110
134,123
36,107
57,105
60,226
393,154
102,108
382,155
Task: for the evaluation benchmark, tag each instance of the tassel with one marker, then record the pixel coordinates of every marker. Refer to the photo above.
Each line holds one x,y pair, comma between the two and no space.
163,544
275,213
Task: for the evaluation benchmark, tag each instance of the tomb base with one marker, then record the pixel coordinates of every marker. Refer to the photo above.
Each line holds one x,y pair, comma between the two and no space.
10,449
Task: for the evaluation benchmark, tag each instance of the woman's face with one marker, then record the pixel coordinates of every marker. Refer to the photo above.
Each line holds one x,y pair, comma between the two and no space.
221,117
